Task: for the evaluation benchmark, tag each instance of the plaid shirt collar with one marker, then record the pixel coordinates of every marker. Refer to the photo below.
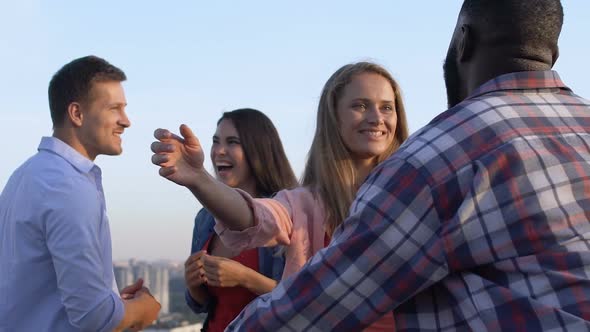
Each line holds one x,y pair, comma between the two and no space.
521,80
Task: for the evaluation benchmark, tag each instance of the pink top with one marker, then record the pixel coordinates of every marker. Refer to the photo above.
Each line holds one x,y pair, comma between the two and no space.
293,218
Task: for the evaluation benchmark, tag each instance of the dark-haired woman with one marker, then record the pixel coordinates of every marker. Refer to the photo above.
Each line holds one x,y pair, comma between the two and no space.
247,154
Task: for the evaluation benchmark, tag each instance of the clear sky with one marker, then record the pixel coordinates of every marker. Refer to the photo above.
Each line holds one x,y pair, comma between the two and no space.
189,61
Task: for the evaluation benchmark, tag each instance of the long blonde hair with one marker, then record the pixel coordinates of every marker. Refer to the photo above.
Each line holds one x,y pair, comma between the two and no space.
330,171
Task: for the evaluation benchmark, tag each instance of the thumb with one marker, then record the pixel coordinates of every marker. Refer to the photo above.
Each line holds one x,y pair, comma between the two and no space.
188,135
137,285
132,289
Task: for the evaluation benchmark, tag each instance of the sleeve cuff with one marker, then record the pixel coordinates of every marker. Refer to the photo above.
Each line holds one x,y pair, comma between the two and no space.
272,226
196,307
118,313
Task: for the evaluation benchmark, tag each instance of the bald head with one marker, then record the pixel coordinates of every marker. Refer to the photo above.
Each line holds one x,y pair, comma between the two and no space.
494,37
527,25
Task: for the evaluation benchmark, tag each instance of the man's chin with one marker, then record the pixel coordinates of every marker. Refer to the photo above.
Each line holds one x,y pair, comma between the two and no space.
113,152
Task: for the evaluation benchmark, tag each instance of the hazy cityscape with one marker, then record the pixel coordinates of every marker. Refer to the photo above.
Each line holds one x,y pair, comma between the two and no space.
165,280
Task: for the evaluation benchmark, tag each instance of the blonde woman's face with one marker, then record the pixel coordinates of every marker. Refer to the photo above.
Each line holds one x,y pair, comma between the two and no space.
367,116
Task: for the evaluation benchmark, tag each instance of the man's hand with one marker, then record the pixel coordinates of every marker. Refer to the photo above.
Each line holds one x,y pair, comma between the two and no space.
224,272
150,309
129,291
180,158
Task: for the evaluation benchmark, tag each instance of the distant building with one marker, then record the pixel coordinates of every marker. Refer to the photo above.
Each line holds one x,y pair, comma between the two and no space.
160,287
155,277
141,270
123,275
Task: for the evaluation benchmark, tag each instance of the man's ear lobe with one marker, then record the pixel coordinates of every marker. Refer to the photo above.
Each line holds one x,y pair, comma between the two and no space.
75,114
466,43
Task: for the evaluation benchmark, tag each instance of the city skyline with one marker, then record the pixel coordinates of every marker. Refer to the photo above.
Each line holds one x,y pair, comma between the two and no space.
165,281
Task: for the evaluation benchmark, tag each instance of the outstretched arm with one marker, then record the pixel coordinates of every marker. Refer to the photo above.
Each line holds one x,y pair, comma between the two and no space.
387,251
181,161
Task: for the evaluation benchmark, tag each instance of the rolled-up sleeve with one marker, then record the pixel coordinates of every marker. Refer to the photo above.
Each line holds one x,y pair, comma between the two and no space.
74,236
272,224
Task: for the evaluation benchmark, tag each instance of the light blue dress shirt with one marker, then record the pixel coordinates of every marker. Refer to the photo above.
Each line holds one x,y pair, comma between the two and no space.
56,271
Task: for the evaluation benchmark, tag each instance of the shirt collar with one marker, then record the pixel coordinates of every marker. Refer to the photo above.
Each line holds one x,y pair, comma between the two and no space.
521,80
57,146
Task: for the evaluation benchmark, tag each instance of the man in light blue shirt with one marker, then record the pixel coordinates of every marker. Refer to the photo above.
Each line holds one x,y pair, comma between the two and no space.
55,244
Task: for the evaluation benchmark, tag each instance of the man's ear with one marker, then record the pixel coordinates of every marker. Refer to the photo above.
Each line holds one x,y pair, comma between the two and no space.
466,43
75,114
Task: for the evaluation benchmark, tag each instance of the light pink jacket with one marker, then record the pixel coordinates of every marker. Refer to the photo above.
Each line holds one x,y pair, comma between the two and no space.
293,218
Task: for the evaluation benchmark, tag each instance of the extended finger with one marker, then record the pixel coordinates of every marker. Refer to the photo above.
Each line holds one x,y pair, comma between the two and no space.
167,171
162,133
161,147
159,159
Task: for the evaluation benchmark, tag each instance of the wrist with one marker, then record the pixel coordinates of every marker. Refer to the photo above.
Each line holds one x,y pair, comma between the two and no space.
199,180
245,278
195,293
201,173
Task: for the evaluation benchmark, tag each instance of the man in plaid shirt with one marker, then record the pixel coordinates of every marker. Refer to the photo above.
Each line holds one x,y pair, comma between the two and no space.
480,220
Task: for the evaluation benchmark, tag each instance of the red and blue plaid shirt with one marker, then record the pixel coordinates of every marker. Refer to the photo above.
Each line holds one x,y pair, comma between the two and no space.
479,222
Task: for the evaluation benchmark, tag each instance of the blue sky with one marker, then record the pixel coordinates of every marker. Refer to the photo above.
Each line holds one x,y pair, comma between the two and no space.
189,61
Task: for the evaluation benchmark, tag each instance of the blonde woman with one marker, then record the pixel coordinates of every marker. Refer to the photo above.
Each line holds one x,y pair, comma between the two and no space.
361,120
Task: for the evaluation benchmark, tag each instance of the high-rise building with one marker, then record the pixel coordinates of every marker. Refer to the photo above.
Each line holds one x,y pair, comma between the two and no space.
141,270
123,275
159,286
155,277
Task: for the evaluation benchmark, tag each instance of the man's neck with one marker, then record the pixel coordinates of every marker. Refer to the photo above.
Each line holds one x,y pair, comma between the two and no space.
66,136
487,67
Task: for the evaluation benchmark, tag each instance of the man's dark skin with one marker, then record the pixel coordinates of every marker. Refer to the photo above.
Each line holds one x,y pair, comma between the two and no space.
480,51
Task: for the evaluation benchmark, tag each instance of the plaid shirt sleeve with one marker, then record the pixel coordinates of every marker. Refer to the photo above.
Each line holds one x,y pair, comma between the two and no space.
386,251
